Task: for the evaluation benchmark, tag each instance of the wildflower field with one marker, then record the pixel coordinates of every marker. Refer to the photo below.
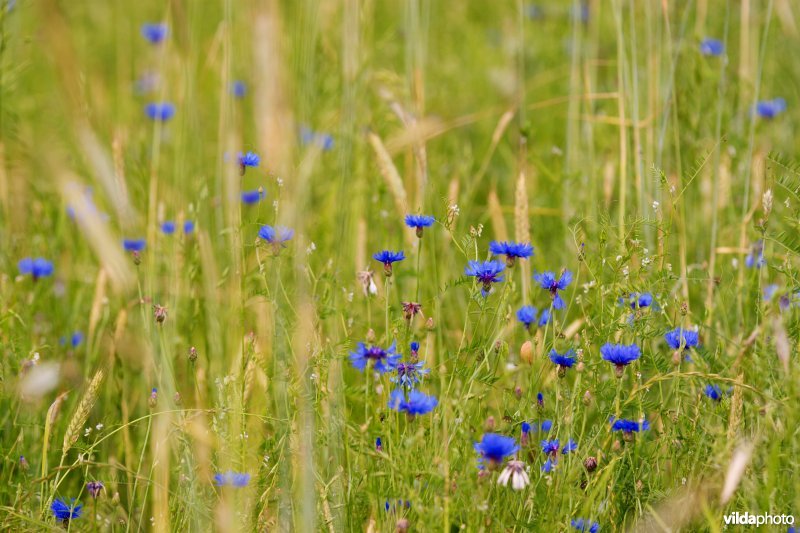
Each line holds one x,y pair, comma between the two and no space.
359,265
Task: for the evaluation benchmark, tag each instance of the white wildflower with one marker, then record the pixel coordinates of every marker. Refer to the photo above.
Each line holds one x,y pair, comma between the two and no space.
514,472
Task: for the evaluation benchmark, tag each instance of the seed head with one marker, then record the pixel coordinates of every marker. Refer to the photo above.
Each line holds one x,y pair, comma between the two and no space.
159,313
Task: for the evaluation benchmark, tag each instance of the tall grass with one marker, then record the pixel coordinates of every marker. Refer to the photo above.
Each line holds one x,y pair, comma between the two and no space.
595,130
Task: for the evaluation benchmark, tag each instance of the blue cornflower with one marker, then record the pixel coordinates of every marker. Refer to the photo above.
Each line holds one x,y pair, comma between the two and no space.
382,360
309,136
162,111
418,403
155,32
569,447
769,291
276,236
620,354
682,339
545,426
564,361
238,89
250,159
788,300
495,448
770,108
395,506
755,258
540,399
387,257
414,346
637,300
64,511
545,318
711,47
94,488
409,374
526,428
37,268
550,447
233,479
378,444
76,339
548,281
486,272
88,205
133,245
325,141
168,227
188,227
252,197
629,426
713,392
527,315
585,525
511,250
419,222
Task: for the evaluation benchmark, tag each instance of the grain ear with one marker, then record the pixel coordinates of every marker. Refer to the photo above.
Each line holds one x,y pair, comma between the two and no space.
81,414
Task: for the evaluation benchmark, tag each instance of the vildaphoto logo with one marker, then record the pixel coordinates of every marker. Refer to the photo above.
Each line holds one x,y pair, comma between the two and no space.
763,519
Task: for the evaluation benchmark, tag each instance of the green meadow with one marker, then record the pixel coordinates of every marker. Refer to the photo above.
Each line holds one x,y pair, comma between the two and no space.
196,334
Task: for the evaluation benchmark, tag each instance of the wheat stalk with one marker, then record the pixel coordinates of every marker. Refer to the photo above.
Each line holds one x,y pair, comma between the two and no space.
389,173
522,228
496,214
52,413
82,412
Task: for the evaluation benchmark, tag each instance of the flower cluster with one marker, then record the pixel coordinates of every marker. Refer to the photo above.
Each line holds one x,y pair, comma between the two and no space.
527,315
36,268
232,479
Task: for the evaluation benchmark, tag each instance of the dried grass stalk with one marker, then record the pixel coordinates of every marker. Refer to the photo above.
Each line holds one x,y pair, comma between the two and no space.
736,468
496,213
782,344
52,413
390,174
